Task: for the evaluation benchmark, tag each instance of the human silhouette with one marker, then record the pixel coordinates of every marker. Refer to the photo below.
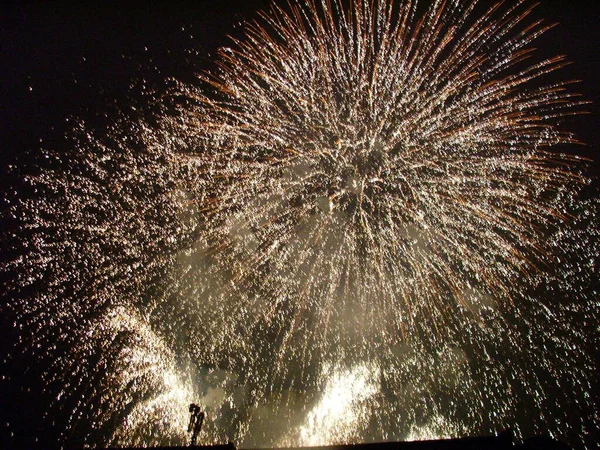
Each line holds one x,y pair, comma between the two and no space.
196,420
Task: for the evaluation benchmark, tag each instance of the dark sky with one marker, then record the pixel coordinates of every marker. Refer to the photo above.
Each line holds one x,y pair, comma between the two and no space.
63,59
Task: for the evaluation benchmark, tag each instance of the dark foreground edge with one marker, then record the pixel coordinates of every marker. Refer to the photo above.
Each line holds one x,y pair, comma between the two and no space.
502,441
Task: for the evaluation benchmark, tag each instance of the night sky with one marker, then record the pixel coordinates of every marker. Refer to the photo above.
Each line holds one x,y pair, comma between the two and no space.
64,59
64,62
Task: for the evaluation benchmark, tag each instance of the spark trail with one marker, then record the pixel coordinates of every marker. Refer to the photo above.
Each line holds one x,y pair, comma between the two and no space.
364,193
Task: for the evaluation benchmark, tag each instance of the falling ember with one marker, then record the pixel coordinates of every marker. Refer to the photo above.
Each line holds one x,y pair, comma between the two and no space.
359,207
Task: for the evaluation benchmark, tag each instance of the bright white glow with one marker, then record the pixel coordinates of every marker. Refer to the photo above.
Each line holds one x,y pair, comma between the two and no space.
338,415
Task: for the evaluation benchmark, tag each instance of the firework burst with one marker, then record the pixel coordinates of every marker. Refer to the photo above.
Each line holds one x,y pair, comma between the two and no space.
355,220
360,163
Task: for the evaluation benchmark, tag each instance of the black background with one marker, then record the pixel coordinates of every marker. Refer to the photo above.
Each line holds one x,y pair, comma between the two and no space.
62,60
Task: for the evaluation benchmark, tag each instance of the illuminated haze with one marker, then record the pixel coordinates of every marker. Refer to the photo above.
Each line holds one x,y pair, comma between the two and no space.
354,228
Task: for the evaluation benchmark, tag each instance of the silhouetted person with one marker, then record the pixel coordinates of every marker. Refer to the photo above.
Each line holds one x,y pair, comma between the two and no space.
196,419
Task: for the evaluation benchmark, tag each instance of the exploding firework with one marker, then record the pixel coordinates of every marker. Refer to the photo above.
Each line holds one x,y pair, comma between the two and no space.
355,215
